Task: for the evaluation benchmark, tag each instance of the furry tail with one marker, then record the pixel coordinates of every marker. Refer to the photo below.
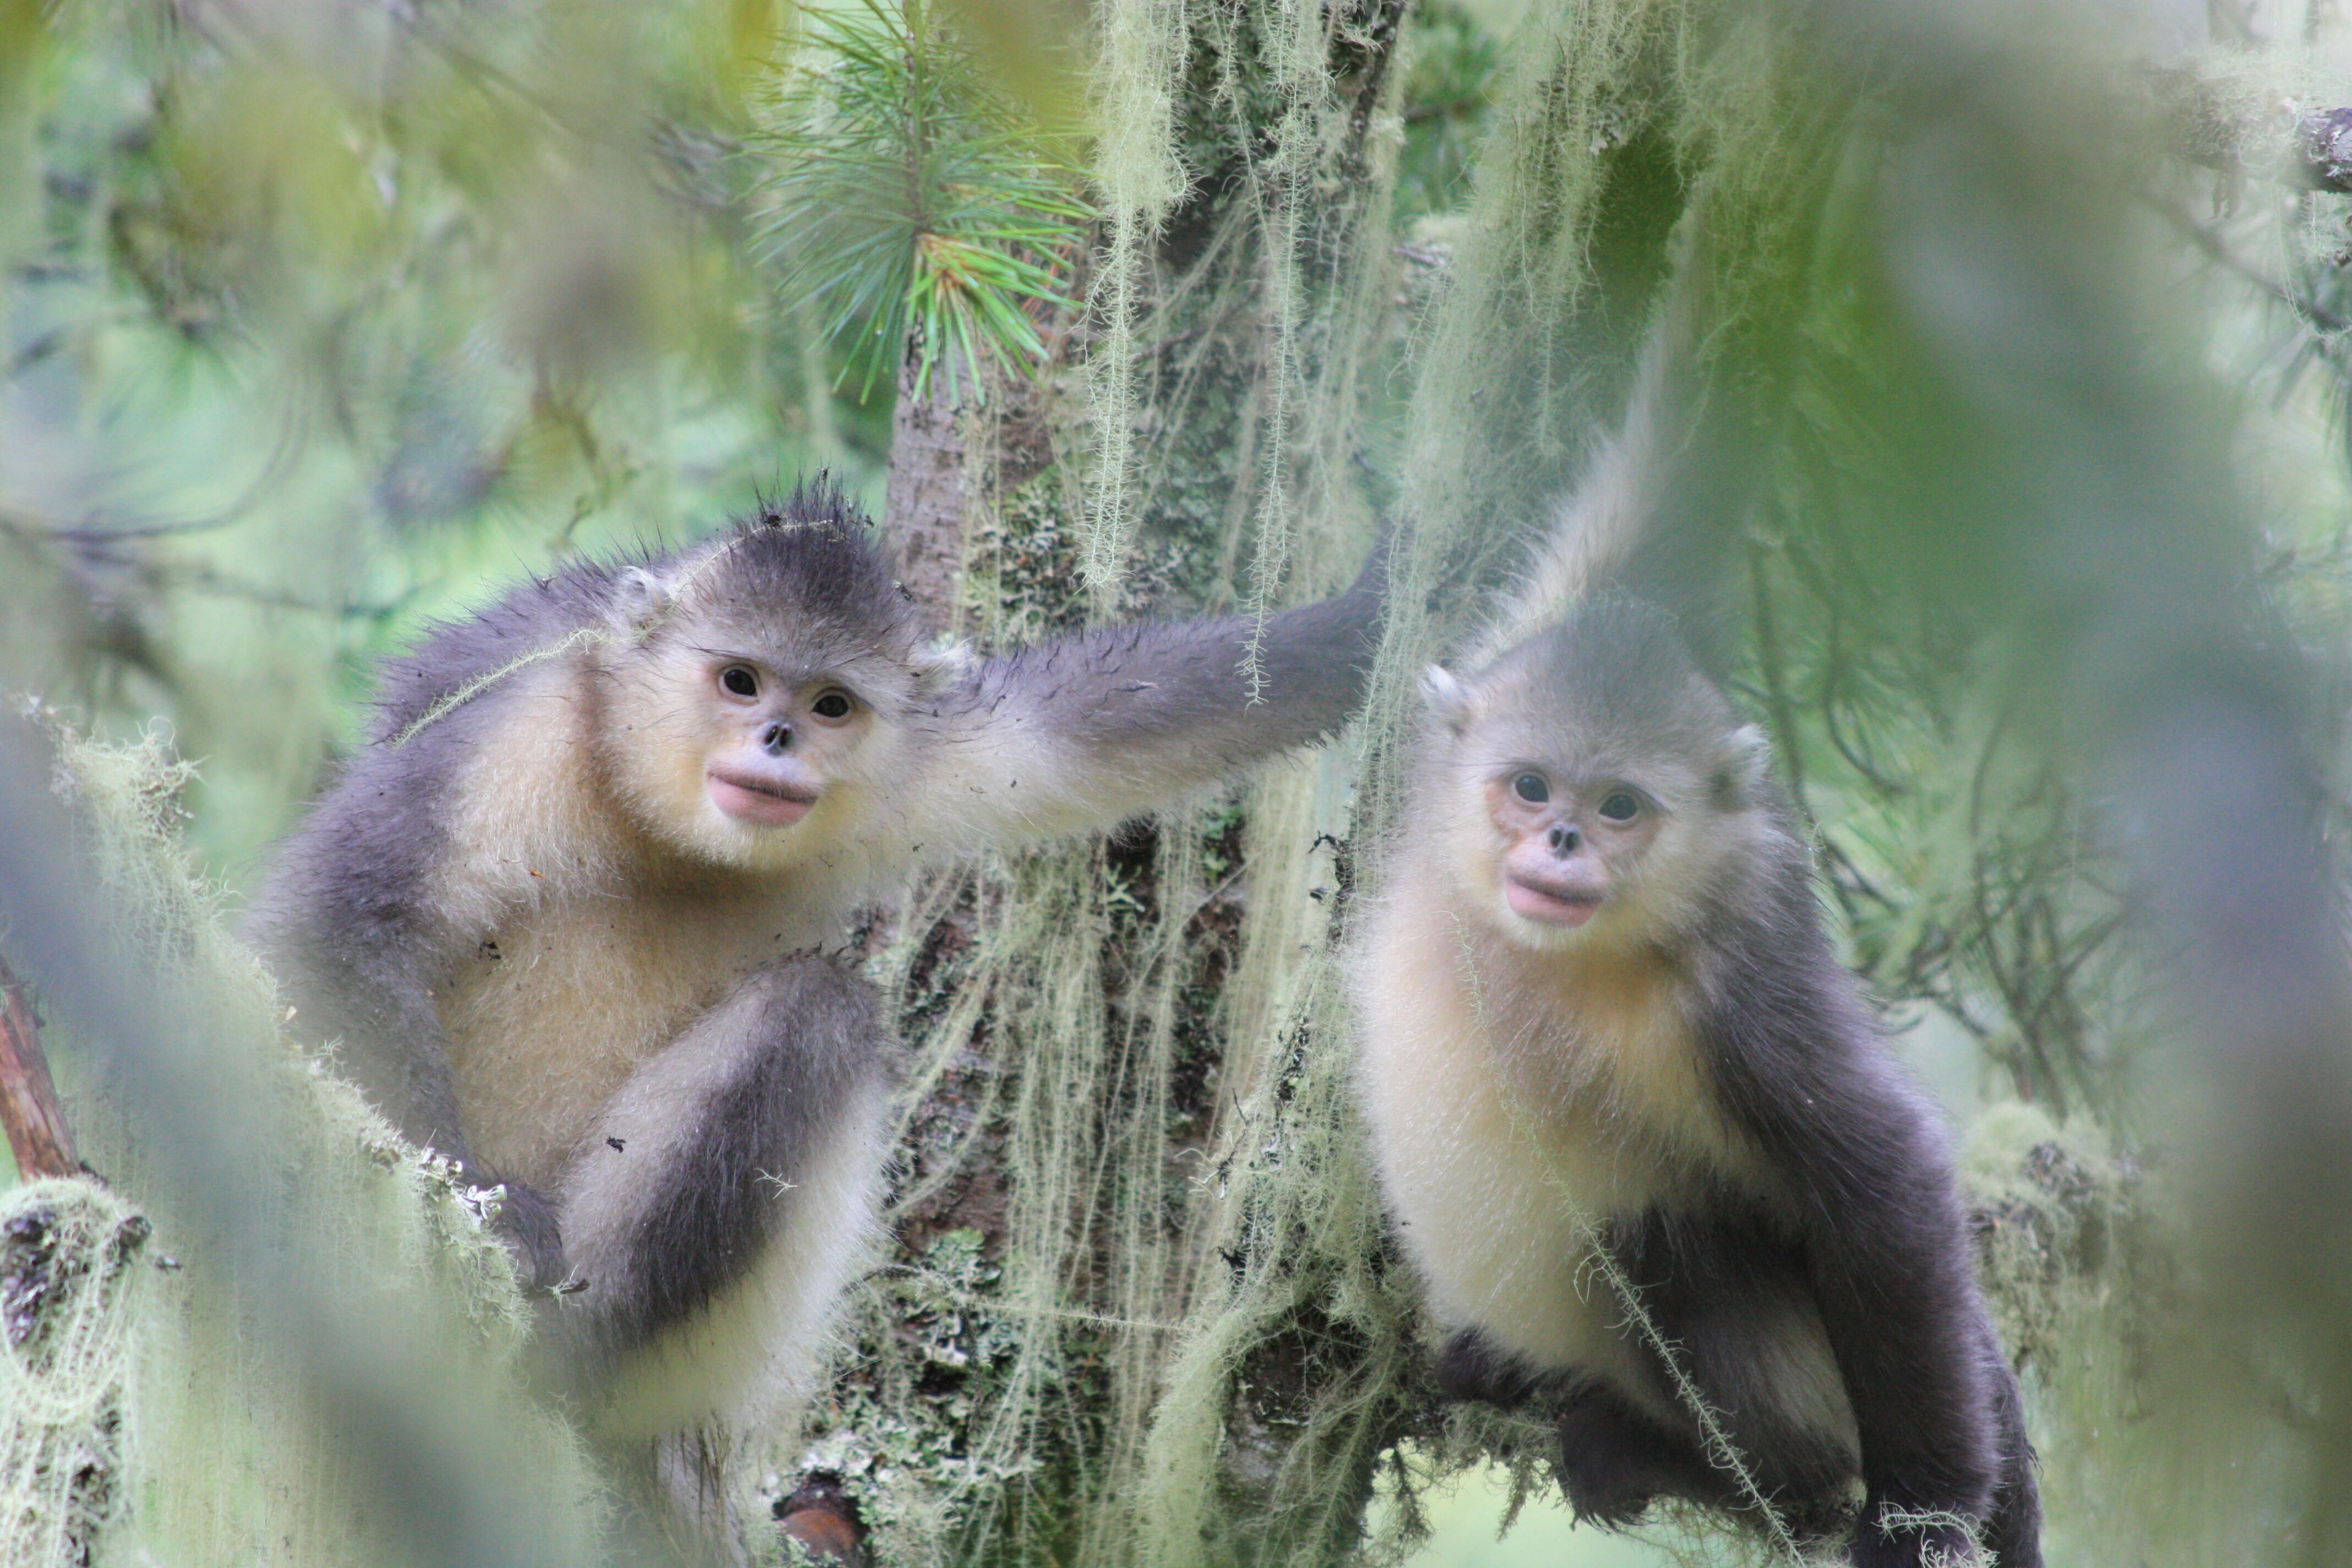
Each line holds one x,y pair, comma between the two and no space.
1600,523
1657,503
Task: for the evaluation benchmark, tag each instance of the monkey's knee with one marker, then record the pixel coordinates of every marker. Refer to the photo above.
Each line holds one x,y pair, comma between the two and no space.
1616,1459
757,1128
819,1009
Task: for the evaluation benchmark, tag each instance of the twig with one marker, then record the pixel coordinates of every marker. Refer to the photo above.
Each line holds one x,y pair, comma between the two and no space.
2325,323
30,1111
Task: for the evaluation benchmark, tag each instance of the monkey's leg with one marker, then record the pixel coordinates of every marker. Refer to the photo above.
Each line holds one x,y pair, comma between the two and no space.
1471,1367
716,1212
1732,1300
1616,1458
2013,1533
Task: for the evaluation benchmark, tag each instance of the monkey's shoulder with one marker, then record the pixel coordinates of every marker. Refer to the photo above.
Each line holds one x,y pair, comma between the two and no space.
531,620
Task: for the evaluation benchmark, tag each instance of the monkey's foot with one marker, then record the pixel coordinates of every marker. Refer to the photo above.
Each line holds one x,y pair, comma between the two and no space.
1892,1537
1607,1485
822,1518
1615,1460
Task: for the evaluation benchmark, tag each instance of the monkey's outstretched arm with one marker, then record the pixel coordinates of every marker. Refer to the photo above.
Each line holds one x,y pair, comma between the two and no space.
1885,1248
1086,732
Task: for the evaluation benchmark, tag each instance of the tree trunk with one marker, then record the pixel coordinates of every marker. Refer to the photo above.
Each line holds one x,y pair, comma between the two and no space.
943,1367
923,512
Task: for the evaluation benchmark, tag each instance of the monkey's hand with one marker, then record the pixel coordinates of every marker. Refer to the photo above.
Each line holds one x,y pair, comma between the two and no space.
526,1223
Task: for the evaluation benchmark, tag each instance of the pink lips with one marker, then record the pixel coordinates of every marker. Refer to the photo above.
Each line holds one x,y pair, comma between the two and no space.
749,799
1551,906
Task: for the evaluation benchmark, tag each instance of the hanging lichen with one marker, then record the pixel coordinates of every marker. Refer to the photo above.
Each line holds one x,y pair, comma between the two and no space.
217,1460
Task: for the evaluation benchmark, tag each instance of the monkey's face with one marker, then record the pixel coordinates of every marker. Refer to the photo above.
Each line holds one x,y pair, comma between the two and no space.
1568,822
776,742
739,749
1567,841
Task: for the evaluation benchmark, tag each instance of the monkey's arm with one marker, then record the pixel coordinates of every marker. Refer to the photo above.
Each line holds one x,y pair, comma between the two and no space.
343,922
1885,1248
760,1126
1090,730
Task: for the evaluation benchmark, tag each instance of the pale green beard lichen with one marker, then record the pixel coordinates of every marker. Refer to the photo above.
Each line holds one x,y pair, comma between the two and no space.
220,1460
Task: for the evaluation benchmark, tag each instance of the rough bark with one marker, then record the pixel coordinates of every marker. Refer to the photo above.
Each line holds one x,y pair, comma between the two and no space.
948,464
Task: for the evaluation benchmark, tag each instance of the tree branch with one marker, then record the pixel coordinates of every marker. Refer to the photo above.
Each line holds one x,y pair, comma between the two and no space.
30,1111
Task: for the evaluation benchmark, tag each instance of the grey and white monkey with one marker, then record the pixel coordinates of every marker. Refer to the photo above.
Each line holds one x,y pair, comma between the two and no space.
1596,1008
565,913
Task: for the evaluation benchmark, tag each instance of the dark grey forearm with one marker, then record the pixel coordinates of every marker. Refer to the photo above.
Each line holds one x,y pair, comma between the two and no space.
1088,730
1185,686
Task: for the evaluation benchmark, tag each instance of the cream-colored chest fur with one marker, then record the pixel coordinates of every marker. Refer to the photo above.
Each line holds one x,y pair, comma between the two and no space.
564,1002
583,949
1507,1093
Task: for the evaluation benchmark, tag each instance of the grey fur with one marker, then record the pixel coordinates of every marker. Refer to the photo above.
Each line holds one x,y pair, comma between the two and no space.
685,1205
803,1036
1858,1224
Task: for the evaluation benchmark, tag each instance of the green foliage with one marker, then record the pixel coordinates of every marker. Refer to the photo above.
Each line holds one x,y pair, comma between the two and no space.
1449,107
313,334
206,1433
913,202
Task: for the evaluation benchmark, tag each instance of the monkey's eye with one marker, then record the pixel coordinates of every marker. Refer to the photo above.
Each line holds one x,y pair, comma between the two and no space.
1531,788
739,680
1621,805
831,705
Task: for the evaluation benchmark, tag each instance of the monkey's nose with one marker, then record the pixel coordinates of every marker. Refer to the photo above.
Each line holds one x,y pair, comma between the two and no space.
1563,839
776,737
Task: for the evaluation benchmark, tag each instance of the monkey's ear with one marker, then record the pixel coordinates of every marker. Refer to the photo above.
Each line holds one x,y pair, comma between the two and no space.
940,664
1740,778
1445,698
640,599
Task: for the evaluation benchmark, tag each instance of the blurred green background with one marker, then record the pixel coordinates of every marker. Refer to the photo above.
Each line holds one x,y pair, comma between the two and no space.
319,321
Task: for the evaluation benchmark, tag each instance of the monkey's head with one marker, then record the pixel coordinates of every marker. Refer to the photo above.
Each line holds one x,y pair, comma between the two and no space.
1591,784
759,680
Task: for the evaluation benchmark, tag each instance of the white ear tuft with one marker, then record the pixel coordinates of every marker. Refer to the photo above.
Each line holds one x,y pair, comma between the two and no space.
640,599
1741,782
940,663
1445,698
